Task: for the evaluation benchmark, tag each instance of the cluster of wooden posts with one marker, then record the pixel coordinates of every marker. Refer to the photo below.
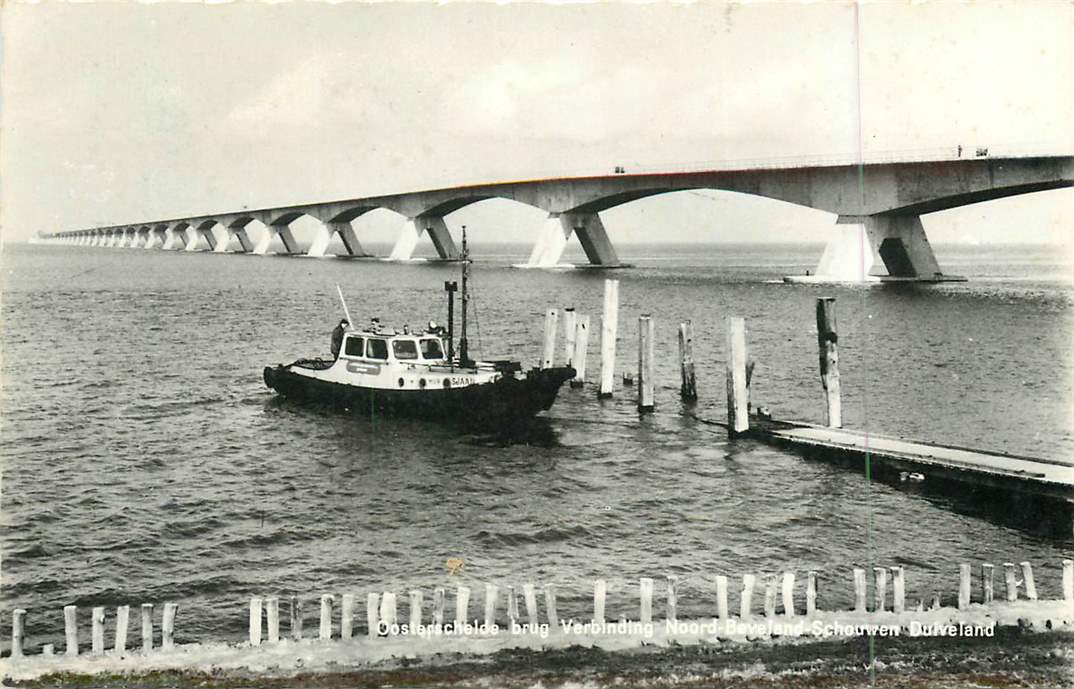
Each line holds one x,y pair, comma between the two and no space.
739,366
97,641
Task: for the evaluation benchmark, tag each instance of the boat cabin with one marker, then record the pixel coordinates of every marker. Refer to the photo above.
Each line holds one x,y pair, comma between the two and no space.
402,348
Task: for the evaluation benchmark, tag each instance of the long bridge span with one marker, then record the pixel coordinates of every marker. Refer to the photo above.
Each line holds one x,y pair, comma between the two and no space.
878,205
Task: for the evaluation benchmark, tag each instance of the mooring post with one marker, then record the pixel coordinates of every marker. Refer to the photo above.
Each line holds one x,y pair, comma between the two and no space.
581,348
570,319
600,592
167,626
965,581
550,606
346,616
987,591
372,615
325,631
1068,580
746,602
48,650
688,389
738,415
898,590
645,363
439,595
70,629
770,583
609,324
935,601
415,611
512,606
1011,579
721,596
880,588
296,618
97,639
859,590
462,605
645,590
811,593
673,601
255,621
491,593
18,621
389,614
147,628
123,615
788,594
272,609
1027,577
829,358
529,592
548,358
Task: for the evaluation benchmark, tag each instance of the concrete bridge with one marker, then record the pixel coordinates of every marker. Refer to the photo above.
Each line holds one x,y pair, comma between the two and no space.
878,205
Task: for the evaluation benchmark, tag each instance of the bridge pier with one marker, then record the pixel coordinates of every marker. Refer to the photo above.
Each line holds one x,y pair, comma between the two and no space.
557,229
284,231
878,248
346,233
236,232
172,238
412,230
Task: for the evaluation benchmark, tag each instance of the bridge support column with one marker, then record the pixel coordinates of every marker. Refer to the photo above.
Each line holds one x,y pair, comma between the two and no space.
191,236
406,242
143,238
551,240
156,238
239,233
172,239
284,231
876,248
591,234
411,232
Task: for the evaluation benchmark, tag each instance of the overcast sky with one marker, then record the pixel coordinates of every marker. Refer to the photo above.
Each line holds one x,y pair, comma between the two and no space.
120,112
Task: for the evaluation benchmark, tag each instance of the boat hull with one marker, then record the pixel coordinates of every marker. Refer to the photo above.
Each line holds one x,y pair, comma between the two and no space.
506,400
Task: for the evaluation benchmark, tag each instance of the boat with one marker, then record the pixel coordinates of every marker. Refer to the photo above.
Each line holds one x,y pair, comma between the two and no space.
381,370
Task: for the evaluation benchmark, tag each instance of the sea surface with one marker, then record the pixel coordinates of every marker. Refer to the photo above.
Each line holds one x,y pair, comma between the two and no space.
144,460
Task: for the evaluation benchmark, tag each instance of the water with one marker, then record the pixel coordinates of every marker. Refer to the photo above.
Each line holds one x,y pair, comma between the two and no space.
145,461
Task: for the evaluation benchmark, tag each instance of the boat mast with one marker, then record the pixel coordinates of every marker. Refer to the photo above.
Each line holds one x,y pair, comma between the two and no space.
464,353
450,287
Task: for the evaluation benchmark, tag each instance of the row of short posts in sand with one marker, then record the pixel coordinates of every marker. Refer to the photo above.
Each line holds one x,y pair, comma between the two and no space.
97,639
779,598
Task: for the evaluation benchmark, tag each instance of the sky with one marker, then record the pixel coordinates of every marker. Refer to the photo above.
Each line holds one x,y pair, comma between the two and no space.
124,112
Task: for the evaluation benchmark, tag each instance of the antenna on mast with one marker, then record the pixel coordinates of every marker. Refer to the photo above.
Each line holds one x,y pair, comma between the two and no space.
464,353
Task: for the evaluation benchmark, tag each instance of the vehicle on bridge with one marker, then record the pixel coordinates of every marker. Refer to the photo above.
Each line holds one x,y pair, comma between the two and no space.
418,374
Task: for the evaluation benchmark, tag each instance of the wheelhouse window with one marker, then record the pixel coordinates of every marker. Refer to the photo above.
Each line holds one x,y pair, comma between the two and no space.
376,349
355,346
405,349
431,348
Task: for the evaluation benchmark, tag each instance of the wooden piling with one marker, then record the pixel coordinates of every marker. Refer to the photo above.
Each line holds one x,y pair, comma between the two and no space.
296,618
462,605
645,363
688,388
645,592
372,615
721,597
272,611
673,600
48,650
439,595
167,626
880,588
771,581
325,630
570,320
1027,578
529,593
581,349
788,594
70,629
512,606
859,590
550,606
97,639
548,358
491,593
898,590
415,611
746,602
935,601
827,340
389,616
346,616
18,623
1068,580
1011,579
609,323
965,581
738,416
987,591
147,628
811,593
600,592
255,621
119,645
